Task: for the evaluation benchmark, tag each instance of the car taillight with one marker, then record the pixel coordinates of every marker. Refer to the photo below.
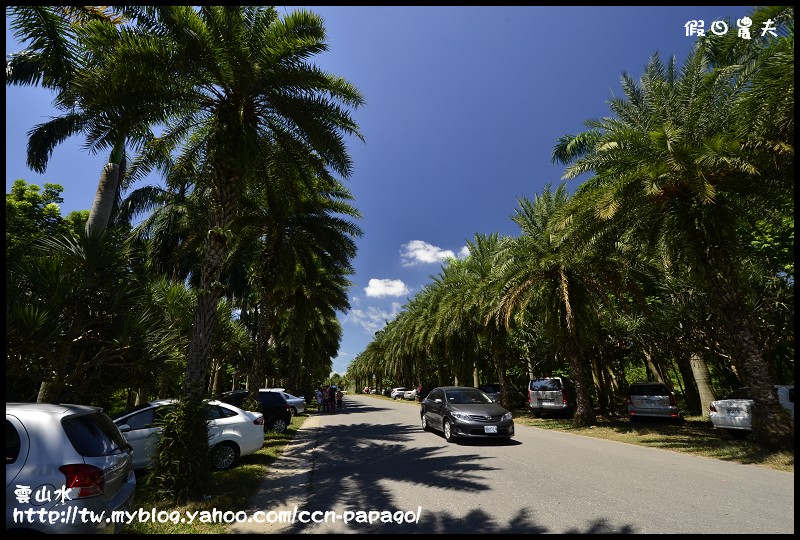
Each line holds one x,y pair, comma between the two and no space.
564,394
259,421
629,400
712,408
88,480
529,395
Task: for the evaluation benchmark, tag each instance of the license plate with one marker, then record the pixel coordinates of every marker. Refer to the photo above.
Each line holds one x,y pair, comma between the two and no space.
734,411
490,429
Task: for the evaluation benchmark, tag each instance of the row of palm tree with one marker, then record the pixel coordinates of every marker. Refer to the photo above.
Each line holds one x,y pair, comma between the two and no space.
652,257
249,137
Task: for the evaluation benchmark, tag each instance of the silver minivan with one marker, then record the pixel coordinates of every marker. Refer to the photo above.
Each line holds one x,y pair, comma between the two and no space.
652,400
551,395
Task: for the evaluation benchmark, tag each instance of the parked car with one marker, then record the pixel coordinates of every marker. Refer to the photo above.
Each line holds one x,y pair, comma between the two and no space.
67,459
491,390
463,411
652,400
551,395
398,392
733,413
410,394
276,410
232,432
297,404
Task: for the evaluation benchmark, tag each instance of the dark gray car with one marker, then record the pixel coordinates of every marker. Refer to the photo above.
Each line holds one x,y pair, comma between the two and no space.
463,411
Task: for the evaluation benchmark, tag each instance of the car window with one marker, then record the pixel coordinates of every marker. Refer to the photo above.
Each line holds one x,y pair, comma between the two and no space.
739,393
214,412
93,435
12,443
649,390
270,398
791,394
140,420
546,385
461,397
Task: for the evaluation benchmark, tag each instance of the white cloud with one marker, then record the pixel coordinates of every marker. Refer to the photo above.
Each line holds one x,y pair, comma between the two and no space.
378,288
420,252
464,253
372,319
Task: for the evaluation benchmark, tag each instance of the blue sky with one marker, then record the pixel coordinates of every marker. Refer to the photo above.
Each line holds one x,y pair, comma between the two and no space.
463,107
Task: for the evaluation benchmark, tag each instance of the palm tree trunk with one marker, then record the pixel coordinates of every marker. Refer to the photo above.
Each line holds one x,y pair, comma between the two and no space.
208,294
773,428
100,213
584,414
702,379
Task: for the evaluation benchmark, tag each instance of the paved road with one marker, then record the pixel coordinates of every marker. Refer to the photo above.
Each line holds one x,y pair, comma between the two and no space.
374,457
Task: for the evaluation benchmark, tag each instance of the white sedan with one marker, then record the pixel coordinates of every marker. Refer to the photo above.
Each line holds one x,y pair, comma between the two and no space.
232,432
733,412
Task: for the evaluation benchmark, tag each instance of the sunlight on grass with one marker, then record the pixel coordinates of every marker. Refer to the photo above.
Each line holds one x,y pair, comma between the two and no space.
229,491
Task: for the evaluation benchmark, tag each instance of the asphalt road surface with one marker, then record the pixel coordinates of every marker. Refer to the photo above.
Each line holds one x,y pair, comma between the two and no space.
371,469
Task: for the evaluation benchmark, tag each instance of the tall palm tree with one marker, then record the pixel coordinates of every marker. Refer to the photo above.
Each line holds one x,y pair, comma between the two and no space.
64,40
558,280
226,84
671,169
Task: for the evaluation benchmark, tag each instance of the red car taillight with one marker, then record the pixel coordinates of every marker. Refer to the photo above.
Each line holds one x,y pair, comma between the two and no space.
529,395
564,394
259,421
87,479
712,408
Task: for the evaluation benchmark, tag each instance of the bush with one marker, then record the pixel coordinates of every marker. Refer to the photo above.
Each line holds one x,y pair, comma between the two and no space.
182,469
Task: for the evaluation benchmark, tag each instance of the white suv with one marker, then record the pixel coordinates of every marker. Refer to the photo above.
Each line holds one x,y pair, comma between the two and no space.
64,462
398,393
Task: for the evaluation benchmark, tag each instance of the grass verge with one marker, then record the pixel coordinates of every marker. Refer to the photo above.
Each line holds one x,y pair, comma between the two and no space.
229,491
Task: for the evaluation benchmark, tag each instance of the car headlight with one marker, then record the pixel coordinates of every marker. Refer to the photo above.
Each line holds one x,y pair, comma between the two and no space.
506,417
460,416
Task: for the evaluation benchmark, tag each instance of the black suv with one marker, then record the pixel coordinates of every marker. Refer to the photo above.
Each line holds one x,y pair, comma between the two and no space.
277,412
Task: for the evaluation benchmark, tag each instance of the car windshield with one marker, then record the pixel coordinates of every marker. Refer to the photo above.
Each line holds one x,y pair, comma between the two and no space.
546,385
461,397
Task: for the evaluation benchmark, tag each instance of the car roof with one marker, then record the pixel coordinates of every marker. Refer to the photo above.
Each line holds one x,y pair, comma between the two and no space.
51,408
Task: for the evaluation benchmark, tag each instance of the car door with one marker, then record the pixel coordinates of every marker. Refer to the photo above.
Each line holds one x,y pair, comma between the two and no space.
434,410
220,426
143,433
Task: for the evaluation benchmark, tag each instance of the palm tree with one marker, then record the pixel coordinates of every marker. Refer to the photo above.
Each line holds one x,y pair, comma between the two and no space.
227,84
671,170
557,280
64,40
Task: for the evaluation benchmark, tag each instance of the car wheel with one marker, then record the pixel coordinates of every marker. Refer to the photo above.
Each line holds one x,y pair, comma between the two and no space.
223,456
447,426
425,426
294,411
279,425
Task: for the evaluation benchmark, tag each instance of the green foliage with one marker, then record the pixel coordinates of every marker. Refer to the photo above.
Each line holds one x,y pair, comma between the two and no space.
182,469
32,214
251,404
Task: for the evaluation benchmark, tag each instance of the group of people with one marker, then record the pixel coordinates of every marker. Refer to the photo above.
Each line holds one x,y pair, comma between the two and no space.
329,398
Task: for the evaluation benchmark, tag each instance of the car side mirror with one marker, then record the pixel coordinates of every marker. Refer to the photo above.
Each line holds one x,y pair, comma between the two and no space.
124,428
437,400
